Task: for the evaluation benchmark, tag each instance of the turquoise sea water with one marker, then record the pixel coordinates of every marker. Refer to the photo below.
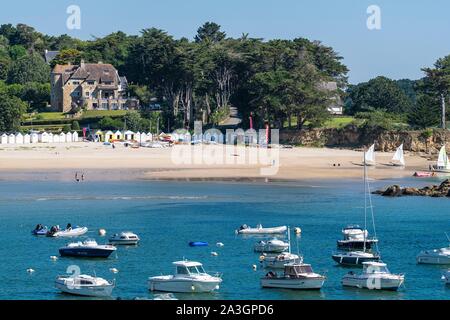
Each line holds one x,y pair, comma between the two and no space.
168,215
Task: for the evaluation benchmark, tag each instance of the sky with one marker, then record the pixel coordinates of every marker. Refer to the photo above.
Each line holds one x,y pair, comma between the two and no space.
413,34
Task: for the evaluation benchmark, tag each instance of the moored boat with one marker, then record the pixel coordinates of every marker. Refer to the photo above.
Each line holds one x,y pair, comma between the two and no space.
85,285
280,260
124,238
398,160
189,277
271,246
355,258
40,230
67,233
446,277
295,276
87,249
375,276
443,163
437,256
244,229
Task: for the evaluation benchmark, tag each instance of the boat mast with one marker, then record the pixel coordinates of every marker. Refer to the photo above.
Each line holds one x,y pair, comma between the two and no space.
365,201
289,238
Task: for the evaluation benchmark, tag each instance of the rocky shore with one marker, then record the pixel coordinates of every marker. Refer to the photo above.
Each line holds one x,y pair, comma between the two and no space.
442,190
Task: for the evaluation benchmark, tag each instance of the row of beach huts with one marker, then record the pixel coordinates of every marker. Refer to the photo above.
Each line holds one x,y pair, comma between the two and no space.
108,136
38,137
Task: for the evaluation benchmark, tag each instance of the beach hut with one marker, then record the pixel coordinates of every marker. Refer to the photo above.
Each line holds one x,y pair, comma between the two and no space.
144,137
56,138
129,135
43,137
62,137
11,139
75,136
149,136
4,138
27,139
34,137
50,137
69,137
19,138
109,136
99,136
137,137
118,135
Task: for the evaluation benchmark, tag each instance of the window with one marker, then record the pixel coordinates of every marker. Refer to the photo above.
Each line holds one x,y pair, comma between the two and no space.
182,270
76,83
91,83
104,105
193,270
88,94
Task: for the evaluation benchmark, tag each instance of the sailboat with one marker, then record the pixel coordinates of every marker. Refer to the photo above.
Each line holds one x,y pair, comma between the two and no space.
280,260
375,274
398,159
443,164
369,156
358,257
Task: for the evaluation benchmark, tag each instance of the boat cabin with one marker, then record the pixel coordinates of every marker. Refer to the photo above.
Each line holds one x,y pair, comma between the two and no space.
294,270
188,268
375,267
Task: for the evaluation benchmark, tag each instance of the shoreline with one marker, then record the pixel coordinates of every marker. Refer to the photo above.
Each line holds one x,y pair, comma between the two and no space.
102,163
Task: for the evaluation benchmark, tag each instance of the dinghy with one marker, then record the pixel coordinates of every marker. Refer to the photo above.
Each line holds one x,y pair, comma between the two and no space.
398,159
40,230
271,246
67,233
443,163
189,277
244,229
369,156
198,244
85,285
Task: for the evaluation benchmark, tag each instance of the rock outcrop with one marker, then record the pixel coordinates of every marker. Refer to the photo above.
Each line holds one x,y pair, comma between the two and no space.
442,190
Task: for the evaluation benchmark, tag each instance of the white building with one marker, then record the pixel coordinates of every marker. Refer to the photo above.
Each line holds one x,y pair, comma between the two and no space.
4,138
11,139
69,137
149,136
75,136
27,139
34,138
50,137
56,138
62,137
129,135
19,138
43,137
144,137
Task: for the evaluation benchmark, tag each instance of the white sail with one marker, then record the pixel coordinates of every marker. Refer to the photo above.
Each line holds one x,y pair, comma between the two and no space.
443,161
399,156
370,155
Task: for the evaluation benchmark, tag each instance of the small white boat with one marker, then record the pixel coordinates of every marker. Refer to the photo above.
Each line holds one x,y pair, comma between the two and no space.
369,156
398,160
437,256
375,276
355,258
280,260
124,238
244,229
67,233
189,277
443,163
85,285
296,276
271,246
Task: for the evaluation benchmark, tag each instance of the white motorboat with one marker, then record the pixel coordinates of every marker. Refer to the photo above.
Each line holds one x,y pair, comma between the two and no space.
85,285
280,260
244,229
375,276
189,277
124,238
354,232
437,256
271,246
355,258
67,233
295,276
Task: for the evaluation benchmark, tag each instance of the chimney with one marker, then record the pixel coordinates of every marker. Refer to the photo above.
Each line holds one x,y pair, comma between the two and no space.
82,63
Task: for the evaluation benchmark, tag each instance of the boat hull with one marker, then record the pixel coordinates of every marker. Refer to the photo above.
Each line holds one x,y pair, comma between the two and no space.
124,242
373,282
68,234
276,230
428,259
279,264
85,252
86,291
271,248
183,285
292,283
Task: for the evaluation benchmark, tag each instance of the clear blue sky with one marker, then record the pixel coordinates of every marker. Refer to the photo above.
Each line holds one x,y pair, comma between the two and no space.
413,35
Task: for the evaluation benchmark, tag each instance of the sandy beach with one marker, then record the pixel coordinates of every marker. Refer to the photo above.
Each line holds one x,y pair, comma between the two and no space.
100,162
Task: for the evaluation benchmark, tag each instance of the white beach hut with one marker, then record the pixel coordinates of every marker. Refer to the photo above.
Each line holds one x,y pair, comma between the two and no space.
144,137
4,138
137,137
149,136
11,139
27,139
118,135
50,137
62,137
43,137
19,138
109,136
56,138
75,136
69,137
129,135
34,138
